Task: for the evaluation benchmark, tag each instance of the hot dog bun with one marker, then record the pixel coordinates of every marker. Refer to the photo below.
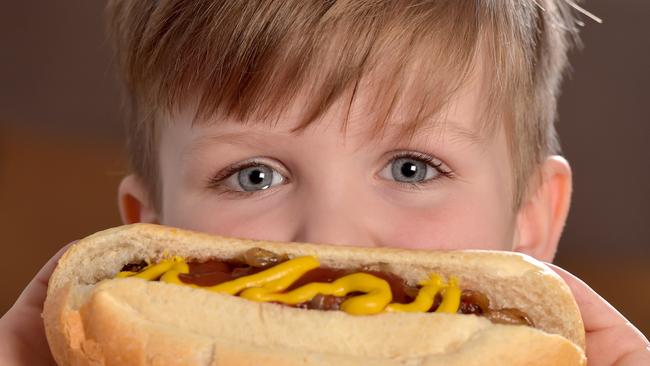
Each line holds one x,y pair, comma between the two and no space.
91,319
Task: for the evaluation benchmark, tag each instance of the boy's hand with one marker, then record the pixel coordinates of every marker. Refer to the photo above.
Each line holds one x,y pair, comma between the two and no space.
611,339
22,336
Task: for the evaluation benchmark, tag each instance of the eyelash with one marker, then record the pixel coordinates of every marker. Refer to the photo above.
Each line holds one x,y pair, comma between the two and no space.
216,181
429,160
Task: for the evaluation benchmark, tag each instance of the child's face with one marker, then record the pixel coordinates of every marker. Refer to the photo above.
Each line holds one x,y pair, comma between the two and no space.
326,187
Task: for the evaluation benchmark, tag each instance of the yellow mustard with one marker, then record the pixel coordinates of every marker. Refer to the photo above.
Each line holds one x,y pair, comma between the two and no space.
274,279
268,285
426,295
377,293
151,272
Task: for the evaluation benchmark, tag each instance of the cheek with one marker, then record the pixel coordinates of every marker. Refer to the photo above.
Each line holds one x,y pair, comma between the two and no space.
453,226
228,219
461,224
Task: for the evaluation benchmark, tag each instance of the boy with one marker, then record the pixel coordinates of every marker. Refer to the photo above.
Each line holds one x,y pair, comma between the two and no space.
375,123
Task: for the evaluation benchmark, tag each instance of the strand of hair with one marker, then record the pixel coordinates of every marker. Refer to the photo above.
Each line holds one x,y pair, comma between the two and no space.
584,12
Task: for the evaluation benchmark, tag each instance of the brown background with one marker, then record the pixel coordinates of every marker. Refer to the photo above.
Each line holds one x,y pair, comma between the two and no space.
61,153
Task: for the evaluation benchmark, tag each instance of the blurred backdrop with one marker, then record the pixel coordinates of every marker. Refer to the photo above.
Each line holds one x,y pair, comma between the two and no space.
61,144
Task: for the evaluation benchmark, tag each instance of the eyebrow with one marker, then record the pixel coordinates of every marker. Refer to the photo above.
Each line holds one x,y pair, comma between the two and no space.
248,138
253,139
451,129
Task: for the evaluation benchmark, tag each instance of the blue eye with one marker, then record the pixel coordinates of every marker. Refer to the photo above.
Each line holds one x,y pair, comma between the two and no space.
413,168
256,177
410,170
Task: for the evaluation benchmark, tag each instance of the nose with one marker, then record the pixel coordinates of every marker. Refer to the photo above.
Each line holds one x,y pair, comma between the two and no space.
334,220
333,228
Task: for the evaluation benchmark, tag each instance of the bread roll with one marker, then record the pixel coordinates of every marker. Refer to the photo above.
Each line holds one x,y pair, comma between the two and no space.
92,319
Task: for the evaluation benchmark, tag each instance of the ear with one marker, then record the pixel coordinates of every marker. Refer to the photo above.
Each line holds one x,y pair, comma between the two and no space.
134,202
542,216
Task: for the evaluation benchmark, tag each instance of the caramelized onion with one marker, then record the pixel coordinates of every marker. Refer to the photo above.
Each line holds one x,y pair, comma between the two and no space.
325,302
411,291
509,316
134,267
473,302
262,258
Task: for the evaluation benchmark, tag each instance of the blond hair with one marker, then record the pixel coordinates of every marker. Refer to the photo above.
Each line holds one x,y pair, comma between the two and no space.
250,59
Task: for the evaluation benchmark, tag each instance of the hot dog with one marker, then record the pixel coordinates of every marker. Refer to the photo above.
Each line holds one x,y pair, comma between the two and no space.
147,294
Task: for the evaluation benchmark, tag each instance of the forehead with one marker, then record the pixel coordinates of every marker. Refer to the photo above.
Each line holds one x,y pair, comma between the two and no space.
378,107
356,116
